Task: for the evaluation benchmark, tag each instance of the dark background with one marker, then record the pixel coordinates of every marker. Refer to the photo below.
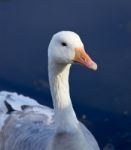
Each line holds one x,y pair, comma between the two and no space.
102,99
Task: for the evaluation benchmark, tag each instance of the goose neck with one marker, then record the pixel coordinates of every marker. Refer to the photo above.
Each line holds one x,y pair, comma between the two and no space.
59,84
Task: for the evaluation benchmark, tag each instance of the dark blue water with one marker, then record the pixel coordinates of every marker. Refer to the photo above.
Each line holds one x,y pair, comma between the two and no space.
102,99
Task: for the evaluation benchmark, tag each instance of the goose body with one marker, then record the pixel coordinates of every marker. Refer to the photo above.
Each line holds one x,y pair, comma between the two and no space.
27,125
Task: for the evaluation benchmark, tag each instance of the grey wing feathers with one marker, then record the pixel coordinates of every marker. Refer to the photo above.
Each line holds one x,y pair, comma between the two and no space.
15,101
24,123
27,125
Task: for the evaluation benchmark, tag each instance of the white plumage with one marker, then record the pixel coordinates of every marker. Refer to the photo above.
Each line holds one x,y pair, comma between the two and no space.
27,125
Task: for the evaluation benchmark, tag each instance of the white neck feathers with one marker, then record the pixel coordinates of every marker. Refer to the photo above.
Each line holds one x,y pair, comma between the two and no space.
65,117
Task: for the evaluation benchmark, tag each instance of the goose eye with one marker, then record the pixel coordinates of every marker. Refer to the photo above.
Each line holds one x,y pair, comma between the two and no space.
63,44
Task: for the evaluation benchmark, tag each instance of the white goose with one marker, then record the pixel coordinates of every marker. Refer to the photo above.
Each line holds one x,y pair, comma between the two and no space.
27,125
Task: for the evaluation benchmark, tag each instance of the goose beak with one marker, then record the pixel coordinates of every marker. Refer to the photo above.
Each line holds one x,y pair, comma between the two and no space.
83,58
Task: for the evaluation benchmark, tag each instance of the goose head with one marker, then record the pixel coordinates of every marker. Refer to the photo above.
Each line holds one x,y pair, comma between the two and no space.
66,47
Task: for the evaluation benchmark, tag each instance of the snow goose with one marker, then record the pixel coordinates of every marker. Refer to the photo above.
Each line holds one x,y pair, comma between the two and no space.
27,125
